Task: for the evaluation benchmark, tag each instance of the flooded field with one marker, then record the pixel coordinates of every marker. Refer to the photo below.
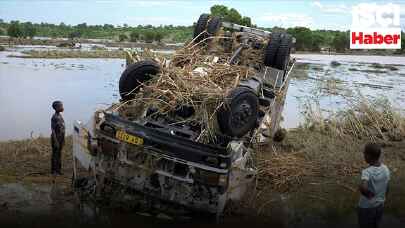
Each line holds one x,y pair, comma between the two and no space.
332,80
30,85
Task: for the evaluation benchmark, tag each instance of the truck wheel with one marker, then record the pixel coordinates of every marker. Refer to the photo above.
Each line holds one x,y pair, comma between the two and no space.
134,75
213,26
271,49
200,27
239,113
283,52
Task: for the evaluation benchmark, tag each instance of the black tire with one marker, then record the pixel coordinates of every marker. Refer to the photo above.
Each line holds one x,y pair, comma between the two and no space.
200,27
271,49
134,75
283,52
213,26
239,113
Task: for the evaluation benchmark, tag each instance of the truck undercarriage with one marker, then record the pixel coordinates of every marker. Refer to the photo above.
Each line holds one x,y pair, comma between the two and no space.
163,160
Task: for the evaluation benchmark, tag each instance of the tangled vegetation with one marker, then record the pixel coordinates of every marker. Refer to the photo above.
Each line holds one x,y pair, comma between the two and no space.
332,147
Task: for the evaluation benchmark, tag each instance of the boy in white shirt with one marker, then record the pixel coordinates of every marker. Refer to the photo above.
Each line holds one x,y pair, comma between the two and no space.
373,188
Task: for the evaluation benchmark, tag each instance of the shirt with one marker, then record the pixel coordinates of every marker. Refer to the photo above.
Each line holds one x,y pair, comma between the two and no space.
377,178
58,126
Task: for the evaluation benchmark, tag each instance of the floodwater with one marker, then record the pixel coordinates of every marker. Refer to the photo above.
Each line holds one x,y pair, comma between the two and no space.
55,205
315,78
28,87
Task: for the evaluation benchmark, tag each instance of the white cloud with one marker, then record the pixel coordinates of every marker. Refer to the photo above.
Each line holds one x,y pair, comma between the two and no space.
331,9
288,20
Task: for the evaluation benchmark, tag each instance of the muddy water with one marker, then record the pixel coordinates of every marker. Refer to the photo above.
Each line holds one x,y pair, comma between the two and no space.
316,78
28,86
54,205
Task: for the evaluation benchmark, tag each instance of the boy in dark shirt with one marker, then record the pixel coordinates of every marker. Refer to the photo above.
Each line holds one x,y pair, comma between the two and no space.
57,137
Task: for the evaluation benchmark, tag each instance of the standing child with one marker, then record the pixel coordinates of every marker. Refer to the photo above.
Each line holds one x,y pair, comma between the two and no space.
57,137
373,188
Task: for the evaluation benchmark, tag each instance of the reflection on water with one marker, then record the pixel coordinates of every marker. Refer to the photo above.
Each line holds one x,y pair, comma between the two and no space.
28,87
55,205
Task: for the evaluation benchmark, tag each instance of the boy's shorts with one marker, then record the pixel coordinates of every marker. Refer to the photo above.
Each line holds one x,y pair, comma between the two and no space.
370,217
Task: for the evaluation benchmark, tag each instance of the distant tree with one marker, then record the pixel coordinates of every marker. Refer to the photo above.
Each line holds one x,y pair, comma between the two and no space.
246,21
2,32
303,37
277,29
14,30
63,26
28,30
230,15
149,36
81,26
158,36
134,36
233,16
122,37
74,34
341,42
219,10
108,26
317,41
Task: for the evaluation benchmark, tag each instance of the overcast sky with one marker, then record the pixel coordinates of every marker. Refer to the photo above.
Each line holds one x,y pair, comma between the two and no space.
314,14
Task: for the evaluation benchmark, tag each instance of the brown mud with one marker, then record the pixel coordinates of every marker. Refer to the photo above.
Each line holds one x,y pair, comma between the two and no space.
314,188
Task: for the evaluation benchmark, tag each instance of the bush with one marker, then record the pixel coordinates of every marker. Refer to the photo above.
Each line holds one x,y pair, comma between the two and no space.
14,30
75,34
149,36
158,36
28,30
134,36
122,37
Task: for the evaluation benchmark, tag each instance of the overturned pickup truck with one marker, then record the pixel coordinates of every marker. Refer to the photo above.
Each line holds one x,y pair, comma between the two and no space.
183,132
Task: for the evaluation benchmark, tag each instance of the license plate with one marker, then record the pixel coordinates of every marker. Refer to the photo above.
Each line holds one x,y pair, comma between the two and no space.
123,136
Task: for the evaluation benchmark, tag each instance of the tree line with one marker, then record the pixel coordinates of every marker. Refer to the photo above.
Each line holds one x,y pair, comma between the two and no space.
306,39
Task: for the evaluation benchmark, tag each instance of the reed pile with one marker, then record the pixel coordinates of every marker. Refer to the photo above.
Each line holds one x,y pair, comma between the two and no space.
332,147
372,119
193,77
283,171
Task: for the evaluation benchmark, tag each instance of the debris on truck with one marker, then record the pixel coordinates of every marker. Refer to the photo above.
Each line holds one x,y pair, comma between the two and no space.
184,130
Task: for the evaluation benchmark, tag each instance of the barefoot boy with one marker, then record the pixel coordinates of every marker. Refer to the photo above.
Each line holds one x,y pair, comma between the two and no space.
373,188
57,137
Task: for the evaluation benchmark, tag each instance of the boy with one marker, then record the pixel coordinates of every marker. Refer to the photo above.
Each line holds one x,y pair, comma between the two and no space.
57,137
373,188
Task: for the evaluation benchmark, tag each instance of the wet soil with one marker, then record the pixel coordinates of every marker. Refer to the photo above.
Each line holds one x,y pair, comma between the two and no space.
30,196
